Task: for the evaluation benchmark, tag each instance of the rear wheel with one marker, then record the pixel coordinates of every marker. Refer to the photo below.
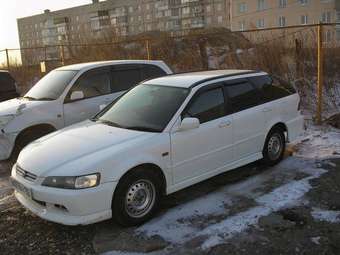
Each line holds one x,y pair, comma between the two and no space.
136,198
274,147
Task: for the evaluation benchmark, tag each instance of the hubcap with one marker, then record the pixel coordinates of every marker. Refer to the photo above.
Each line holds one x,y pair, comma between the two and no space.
140,198
275,146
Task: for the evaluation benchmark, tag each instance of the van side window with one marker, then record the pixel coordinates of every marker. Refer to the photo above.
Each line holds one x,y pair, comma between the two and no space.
7,83
151,71
272,89
207,106
125,77
93,84
242,96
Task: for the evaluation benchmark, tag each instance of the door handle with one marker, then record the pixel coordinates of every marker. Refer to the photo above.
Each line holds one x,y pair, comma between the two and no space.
267,110
225,124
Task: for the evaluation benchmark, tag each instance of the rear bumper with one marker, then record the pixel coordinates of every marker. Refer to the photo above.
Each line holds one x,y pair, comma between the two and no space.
7,141
295,128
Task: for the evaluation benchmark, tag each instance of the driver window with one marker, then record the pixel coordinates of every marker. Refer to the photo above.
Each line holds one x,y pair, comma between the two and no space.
93,84
207,106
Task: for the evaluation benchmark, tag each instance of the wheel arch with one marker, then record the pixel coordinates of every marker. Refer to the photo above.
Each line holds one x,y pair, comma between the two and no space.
41,127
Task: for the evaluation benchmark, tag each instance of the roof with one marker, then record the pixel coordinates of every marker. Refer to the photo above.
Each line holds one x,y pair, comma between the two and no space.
90,65
188,80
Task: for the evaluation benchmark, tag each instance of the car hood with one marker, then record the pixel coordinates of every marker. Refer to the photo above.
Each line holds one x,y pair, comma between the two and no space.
17,106
70,144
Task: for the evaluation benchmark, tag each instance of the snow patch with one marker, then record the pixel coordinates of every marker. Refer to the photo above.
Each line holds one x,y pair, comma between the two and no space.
326,215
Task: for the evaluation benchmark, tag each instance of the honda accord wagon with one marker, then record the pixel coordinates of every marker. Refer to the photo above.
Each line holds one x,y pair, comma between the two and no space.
163,135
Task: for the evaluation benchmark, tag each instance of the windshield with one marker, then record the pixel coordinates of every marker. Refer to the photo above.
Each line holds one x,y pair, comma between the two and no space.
51,86
144,108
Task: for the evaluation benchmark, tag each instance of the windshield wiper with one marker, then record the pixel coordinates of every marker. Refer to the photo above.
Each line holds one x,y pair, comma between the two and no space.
45,99
107,122
30,98
145,129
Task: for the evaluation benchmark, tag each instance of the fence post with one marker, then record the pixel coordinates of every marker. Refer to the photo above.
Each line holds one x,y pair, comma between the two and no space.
320,74
7,59
147,45
62,55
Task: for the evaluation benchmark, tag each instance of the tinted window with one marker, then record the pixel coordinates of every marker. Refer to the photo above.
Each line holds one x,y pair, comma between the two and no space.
207,106
272,89
145,108
242,96
51,86
125,77
150,71
93,83
6,82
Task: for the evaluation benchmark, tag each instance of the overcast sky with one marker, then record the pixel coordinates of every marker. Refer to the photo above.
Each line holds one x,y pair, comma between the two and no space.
10,10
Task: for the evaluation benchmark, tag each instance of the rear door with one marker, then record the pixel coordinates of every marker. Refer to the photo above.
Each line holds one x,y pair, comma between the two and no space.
201,151
248,118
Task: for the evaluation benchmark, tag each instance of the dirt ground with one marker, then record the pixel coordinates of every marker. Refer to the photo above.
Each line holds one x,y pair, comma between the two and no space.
292,208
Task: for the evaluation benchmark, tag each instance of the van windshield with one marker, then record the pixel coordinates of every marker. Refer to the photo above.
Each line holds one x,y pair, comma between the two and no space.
51,86
146,108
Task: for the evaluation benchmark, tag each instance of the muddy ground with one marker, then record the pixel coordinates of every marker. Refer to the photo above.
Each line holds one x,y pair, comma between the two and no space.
292,208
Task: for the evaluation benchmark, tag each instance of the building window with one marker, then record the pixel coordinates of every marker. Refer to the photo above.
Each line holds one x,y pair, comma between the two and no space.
338,34
219,19
219,7
338,16
261,5
282,21
186,10
303,2
242,7
208,20
260,23
326,17
328,36
304,20
282,3
208,7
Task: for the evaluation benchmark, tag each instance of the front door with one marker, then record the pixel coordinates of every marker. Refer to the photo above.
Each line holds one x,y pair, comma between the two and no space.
201,151
96,87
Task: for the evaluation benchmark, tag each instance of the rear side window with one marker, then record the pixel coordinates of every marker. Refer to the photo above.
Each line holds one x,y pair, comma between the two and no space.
242,96
272,88
7,83
125,77
207,106
151,71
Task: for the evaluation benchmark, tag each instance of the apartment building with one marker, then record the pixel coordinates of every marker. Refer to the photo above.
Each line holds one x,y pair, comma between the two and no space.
257,14
106,20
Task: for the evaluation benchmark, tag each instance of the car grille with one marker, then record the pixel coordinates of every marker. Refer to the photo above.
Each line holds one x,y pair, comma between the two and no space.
25,174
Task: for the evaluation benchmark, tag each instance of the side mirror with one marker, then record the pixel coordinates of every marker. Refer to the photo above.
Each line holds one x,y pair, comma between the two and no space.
77,95
189,123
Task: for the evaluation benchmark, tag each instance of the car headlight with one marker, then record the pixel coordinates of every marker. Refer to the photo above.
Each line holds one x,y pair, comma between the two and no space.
4,120
70,182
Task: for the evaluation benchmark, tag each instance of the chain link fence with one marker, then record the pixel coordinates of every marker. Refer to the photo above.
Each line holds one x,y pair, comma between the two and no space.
289,52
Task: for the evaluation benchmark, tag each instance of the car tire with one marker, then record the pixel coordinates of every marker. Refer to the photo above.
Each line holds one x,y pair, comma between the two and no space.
136,198
24,139
274,147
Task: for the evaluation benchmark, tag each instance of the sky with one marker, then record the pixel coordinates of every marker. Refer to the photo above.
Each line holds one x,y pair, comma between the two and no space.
10,10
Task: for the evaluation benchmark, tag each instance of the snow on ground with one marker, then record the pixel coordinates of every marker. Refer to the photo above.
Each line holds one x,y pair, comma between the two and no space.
326,215
207,218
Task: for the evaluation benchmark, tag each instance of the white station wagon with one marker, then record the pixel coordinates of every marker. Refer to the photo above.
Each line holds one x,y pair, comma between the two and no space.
68,95
161,136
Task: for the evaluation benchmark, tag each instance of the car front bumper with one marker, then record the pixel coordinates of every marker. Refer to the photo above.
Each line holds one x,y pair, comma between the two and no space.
67,207
7,141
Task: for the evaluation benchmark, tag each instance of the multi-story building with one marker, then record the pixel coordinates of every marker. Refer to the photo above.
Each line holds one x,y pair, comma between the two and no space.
106,20
257,14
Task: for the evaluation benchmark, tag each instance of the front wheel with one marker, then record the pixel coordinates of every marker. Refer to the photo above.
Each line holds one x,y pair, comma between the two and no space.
136,198
274,147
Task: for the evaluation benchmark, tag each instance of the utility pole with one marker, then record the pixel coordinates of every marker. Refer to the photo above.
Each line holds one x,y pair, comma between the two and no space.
320,75
147,45
7,59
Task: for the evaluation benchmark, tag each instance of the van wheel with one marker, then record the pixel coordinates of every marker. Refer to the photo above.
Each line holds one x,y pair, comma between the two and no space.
136,198
274,147
24,139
